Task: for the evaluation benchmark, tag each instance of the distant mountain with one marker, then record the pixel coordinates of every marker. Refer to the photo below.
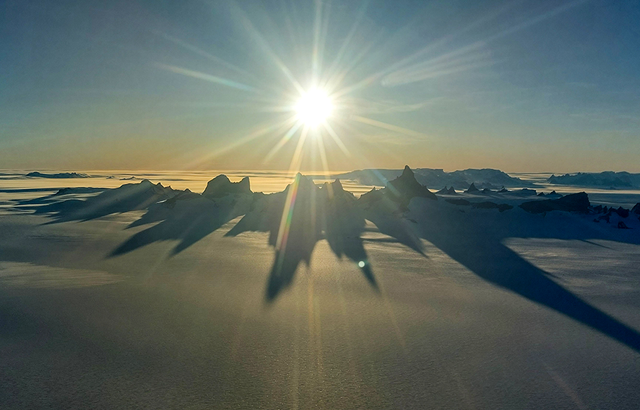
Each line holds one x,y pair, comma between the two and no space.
607,179
472,189
437,178
446,191
61,175
406,187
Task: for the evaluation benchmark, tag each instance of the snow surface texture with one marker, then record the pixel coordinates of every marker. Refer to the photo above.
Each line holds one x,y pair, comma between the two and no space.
391,300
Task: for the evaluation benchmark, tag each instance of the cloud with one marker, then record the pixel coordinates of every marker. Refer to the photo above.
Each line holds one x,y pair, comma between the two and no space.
364,106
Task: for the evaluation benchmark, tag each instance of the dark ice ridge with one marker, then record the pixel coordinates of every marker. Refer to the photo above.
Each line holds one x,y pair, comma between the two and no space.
61,175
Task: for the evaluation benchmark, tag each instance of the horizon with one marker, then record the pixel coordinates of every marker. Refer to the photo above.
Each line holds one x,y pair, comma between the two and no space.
317,172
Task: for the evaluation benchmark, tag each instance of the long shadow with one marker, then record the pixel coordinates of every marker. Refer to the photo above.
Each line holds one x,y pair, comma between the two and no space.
296,220
182,215
312,213
187,218
507,269
478,245
57,196
128,197
23,190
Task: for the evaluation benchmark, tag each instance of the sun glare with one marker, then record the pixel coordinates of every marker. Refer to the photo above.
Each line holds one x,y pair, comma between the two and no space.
314,107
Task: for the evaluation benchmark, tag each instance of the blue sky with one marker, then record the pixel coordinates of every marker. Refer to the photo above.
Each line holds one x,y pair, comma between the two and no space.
517,85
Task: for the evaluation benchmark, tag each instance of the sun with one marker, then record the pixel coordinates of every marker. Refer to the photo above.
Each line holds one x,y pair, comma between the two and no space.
314,107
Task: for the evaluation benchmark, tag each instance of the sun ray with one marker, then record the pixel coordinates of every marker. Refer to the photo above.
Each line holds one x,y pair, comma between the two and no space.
336,138
360,84
386,126
287,211
333,81
414,77
325,162
289,25
412,57
462,55
206,77
315,53
401,65
260,131
296,160
205,54
264,46
347,41
286,137
366,162
466,53
285,222
440,42
323,41
537,19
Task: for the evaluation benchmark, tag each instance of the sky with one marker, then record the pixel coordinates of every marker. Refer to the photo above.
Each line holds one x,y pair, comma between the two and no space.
522,86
